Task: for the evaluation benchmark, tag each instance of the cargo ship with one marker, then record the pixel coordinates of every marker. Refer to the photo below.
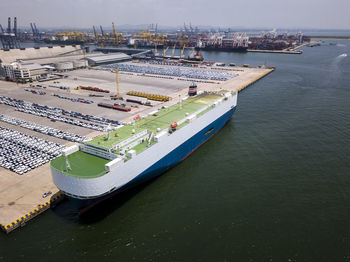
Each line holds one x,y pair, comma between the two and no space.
237,44
134,153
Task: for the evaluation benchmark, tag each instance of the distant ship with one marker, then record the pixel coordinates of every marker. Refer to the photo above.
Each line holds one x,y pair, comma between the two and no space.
224,46
65,42
136,43
95,170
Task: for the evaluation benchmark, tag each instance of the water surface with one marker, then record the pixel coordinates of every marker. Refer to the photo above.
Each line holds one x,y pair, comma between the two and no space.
273,185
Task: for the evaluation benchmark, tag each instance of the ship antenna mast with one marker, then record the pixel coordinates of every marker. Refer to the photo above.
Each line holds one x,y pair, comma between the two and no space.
109,129
180,103
67,163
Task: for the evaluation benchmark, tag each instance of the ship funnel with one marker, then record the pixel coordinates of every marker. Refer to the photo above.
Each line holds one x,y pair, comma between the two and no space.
192,90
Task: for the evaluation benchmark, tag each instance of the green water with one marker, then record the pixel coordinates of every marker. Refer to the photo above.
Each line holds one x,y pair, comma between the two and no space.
273,185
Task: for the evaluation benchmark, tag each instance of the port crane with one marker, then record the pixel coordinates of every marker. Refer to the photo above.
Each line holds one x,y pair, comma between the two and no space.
103,37
8,37
102,32
118,38
36,34
95,34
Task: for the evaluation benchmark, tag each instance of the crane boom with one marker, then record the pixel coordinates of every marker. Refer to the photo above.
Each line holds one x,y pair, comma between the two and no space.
102,32
164,50
95,33
182,51
36,29
31,26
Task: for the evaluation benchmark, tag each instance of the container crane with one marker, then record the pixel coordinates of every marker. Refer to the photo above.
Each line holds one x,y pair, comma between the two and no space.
15,26
102,32
37,31
103,37
9,25
117,37
31,25
8,38
191,29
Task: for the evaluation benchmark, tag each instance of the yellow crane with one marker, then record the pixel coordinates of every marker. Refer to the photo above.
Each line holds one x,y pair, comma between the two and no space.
86,62
164,50
95,33
182,51
117,80
74,35
117,36
173,51
155,50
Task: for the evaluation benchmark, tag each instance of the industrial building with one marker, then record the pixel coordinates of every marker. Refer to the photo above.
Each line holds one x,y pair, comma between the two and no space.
23,72
27,64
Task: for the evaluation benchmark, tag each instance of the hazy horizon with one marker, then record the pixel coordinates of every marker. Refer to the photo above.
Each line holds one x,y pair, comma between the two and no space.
299,14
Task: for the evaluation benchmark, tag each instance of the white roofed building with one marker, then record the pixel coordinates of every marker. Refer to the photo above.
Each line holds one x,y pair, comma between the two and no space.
102,59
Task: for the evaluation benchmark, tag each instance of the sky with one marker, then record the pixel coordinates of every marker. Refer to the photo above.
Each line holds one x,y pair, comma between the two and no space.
296,14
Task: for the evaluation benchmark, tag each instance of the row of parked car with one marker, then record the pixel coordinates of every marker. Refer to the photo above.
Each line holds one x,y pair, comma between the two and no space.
79,99
42,129
53,113
172,71
37,92
58,111
21,153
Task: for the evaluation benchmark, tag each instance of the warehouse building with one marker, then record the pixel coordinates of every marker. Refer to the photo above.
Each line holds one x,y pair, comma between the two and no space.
102,59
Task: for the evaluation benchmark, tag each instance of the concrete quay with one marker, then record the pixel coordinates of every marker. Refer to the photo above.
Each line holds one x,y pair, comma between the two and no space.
291,52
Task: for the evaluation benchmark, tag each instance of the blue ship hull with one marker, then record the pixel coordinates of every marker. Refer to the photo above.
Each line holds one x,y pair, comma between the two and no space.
167,162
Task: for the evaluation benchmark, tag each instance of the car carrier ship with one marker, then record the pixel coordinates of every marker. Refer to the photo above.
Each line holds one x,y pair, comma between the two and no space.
95,170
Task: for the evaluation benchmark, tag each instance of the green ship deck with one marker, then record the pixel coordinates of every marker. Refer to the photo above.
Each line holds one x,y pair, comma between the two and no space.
82,165
162,119
85,165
